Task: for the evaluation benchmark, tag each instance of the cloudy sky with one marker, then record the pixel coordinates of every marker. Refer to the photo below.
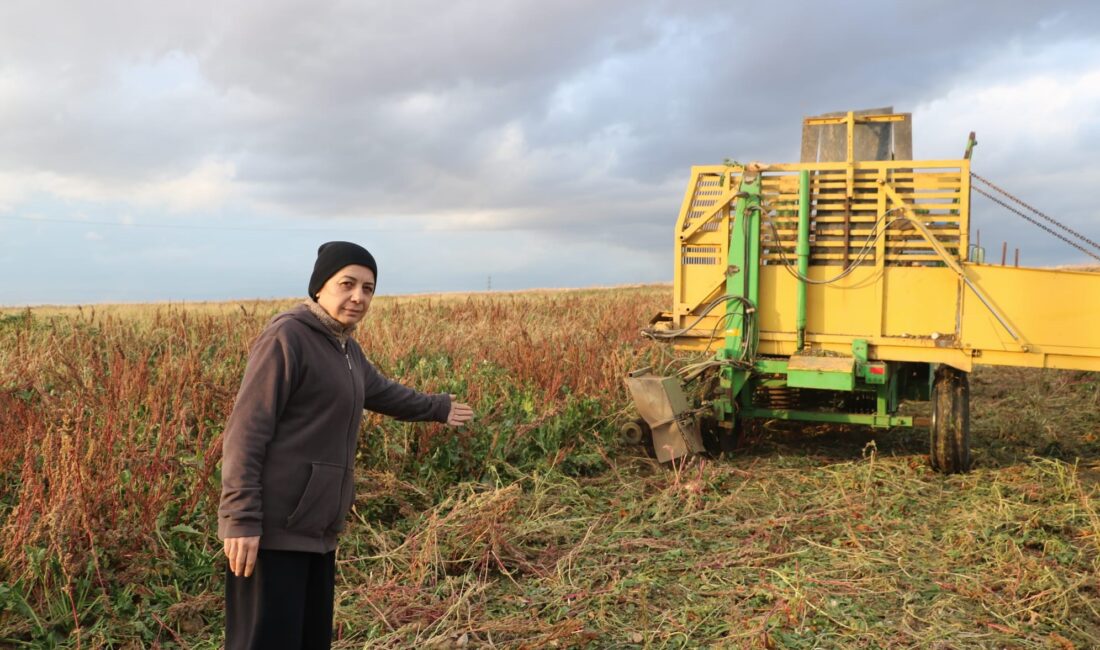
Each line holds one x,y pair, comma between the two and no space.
202,150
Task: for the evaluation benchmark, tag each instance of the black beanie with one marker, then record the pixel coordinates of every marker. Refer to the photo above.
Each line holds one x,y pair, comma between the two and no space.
335,255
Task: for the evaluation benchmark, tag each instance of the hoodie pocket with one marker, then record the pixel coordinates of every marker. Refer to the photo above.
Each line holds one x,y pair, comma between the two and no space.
348,497
320,501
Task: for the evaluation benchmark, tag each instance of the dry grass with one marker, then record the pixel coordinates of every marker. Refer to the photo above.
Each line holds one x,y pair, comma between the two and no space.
533,529
832,548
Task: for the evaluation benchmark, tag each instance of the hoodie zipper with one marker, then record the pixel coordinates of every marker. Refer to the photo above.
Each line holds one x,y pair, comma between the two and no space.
348,460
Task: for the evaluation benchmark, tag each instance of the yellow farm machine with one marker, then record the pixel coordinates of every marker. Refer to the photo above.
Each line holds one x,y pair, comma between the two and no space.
832,289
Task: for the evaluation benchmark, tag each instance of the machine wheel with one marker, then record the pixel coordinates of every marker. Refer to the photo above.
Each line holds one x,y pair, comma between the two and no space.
637,432
719,440
950,431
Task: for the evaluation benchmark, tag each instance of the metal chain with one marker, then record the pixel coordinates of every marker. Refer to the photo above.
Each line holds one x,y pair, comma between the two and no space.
1059,236
1036,211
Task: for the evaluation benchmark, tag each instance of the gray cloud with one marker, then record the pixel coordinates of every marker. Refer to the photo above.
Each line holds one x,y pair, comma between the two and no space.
578,119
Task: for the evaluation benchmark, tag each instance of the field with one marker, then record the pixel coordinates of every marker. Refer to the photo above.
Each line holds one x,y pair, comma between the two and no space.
534,527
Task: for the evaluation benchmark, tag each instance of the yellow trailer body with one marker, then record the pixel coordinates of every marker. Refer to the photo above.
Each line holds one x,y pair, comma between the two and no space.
909,298
832,289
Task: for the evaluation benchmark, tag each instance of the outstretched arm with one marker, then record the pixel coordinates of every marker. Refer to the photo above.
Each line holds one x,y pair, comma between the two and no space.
385,396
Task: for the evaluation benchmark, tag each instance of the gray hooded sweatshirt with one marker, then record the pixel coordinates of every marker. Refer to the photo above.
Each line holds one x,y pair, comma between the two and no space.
288,451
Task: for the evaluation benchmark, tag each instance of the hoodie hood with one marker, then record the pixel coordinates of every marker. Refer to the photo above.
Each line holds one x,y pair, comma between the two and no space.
312,315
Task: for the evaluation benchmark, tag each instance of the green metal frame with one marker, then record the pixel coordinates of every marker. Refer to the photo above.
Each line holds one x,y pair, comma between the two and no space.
879,421
823,380
773,373
743,280
803,252
737,384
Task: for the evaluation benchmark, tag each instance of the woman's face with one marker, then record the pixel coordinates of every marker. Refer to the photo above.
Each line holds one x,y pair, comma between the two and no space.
347,294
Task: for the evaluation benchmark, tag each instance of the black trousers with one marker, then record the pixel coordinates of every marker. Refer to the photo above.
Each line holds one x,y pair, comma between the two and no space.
286,604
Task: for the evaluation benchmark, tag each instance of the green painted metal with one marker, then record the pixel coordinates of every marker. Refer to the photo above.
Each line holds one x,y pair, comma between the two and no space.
870,372
873,420
776,373
886,398
822,380
860,350
971,142
742,280
770,382
743,277
869,375
770,366
803,251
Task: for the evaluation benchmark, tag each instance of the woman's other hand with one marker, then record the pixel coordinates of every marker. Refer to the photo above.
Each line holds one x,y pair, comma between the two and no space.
242,552
460,413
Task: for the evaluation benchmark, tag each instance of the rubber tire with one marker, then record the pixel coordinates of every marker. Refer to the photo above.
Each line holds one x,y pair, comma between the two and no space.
950,430
637,432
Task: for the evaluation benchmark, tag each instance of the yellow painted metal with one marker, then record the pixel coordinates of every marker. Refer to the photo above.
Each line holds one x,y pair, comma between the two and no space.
911,296
858,119
926,316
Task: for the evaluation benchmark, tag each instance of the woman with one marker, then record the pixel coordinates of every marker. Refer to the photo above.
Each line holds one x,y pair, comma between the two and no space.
289,455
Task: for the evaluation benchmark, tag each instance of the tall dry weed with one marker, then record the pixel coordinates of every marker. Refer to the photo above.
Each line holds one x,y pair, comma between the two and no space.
112,420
